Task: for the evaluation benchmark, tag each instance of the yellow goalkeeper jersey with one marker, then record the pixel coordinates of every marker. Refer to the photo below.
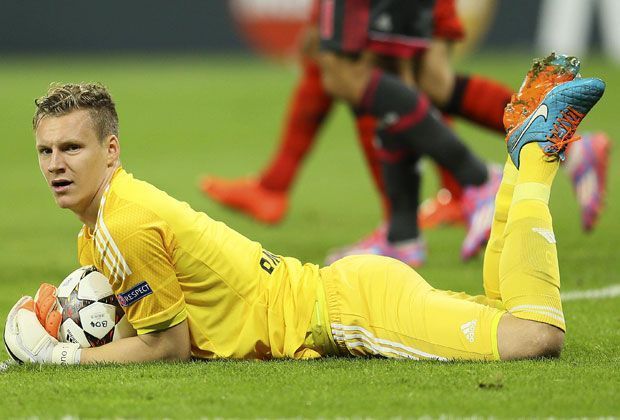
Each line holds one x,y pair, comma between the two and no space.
167,263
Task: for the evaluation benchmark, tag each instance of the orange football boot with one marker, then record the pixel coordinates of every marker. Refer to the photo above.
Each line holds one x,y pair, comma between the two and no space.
443,209
247,196
544,75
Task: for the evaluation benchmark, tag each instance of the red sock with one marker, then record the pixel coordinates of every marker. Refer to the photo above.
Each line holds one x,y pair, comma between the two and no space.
366,125
308,107
480,100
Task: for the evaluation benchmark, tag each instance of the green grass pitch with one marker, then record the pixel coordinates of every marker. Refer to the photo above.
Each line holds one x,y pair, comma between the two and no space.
182,117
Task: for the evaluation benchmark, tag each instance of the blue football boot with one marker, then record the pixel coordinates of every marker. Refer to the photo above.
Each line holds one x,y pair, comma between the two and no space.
553,123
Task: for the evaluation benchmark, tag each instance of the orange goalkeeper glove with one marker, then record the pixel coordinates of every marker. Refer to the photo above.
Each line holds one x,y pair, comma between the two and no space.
26,339
47,309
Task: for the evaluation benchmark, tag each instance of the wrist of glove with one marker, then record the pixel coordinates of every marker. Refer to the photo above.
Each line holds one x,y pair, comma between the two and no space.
27,341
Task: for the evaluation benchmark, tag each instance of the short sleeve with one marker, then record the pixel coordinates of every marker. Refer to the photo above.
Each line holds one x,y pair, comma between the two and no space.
143,277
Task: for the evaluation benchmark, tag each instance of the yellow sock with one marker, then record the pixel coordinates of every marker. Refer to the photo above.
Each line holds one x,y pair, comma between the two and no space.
490,270
536,174
528,268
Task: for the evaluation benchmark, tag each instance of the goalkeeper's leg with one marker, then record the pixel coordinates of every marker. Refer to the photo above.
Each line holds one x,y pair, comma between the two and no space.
529,276
503,199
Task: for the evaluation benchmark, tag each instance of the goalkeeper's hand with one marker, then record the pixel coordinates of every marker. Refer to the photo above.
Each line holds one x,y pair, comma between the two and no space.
26,339
47,309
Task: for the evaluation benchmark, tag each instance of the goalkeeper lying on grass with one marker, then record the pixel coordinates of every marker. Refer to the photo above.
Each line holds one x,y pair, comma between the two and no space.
194,287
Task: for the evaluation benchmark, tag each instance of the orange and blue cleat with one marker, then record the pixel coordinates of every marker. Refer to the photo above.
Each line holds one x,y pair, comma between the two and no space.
554,121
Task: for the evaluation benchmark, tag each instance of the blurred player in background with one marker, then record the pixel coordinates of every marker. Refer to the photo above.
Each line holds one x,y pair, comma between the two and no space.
267,199
408,126
476,98
191,286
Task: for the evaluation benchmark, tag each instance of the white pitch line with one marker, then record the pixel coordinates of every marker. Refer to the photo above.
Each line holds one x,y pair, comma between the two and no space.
604,293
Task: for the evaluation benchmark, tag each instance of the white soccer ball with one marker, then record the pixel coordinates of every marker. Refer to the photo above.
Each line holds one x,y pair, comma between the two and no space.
91,315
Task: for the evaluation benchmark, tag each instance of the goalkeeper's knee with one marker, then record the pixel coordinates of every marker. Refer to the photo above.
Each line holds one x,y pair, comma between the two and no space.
525,339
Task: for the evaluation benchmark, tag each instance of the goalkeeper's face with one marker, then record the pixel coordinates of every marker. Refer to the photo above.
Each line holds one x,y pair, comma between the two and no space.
76,164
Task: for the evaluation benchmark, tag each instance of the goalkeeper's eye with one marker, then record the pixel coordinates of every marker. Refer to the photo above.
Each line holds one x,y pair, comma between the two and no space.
72,147
45,151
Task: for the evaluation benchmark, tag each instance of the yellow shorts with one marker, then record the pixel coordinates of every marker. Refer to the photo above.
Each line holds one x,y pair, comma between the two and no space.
378,306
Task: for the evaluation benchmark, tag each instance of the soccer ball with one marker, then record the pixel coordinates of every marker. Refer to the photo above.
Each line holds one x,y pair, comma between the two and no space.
91,315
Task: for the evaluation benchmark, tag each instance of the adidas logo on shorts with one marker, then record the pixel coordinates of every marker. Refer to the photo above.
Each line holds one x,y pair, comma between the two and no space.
469,329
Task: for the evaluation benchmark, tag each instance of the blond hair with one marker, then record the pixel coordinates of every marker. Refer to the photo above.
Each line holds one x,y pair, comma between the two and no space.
62,99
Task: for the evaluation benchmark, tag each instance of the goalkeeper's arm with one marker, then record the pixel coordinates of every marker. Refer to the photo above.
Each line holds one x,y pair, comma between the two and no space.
169,344
27,340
